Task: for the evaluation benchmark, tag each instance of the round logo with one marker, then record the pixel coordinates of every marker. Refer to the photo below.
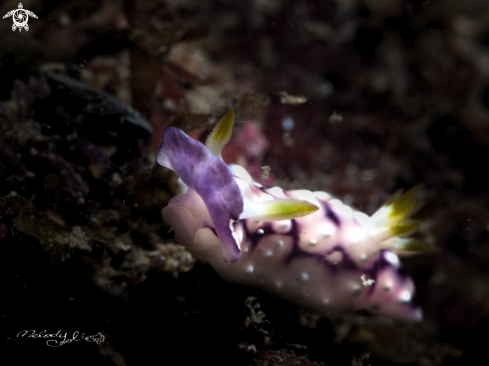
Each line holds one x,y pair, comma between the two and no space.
20,18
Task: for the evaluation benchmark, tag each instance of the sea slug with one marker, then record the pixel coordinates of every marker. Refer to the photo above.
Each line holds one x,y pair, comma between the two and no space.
305,247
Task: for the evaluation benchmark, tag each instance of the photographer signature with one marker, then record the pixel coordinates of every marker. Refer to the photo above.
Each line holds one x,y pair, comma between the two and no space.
60,339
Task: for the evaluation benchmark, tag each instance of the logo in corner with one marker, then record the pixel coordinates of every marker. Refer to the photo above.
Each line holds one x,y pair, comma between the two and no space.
20,17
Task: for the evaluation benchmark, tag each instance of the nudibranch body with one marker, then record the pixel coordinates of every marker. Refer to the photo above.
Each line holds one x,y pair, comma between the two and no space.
305,247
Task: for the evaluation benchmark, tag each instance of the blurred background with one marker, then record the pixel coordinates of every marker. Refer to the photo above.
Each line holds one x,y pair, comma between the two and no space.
354,97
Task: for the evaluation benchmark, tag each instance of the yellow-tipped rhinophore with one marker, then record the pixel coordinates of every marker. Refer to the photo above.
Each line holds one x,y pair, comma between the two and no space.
276,210
221,134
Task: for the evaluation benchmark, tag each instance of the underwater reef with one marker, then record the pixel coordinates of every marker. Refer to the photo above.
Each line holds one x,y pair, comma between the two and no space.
357,98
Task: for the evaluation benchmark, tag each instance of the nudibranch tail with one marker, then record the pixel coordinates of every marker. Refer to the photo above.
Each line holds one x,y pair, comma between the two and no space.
276,210
221,134
210,178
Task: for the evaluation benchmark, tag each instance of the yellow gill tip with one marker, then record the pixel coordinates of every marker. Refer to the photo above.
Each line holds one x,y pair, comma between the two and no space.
393,219
410,245
404,228
403,206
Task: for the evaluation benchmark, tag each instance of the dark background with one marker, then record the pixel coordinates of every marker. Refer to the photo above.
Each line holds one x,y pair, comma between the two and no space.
82,245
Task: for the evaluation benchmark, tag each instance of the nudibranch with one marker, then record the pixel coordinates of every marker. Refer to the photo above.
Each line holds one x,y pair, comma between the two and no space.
305,247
